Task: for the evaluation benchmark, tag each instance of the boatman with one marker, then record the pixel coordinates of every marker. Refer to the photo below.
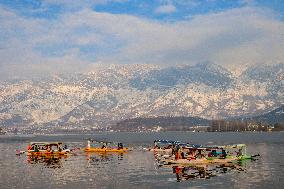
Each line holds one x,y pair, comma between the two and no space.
119,146
29,147
89,144
224,153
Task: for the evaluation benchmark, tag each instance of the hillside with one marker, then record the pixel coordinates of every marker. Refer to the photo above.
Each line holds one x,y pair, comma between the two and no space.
165,123
272,117
109,94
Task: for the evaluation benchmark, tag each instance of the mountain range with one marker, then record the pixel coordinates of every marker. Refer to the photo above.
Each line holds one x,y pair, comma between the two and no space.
108,94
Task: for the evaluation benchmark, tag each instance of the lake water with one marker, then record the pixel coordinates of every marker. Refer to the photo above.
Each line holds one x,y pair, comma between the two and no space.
138,169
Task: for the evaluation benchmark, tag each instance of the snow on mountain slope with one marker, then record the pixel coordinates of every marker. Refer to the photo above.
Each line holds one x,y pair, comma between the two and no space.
116,92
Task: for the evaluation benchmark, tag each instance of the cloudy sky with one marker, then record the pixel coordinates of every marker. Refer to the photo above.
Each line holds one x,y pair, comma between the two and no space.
51,36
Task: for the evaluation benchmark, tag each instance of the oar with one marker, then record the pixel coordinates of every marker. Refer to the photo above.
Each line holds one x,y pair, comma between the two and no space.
257,155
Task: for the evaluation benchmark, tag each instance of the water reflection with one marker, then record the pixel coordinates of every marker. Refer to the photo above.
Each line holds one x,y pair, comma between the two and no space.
185,173
47,161
95,158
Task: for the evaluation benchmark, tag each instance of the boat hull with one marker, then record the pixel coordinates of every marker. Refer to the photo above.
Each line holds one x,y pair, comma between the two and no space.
105,150
47,154
207,160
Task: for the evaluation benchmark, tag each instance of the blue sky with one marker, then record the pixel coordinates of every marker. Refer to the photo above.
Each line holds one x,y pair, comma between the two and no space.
141,8
70,35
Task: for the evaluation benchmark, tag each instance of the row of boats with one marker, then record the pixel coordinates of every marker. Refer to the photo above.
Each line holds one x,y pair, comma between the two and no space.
186,161
175,152
166,152
46,149
193,161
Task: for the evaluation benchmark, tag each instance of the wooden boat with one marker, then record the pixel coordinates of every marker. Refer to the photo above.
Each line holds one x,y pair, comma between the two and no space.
103,150
186,155
104,147
202,161
164,146
47,149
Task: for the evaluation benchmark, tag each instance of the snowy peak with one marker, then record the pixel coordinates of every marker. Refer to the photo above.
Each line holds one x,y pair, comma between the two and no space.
204,73
108,94
264,72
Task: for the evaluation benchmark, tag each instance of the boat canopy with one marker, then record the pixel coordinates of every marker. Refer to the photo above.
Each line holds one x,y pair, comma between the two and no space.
167,142
203,147
199,146
45,143
233,146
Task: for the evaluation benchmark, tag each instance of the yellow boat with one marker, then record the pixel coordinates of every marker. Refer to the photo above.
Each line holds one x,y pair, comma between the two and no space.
103,150
47,149
103,147
47,154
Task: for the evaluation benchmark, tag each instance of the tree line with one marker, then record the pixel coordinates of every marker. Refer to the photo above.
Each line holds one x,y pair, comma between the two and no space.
237,125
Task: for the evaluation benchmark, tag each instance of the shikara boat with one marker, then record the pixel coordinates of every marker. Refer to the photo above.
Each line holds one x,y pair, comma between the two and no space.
198,154
46,149
105,146
164,146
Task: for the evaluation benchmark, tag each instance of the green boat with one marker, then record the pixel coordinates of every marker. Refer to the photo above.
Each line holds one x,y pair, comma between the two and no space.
198,154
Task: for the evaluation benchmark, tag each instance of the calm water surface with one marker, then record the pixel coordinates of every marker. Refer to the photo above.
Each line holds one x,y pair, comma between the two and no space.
138,169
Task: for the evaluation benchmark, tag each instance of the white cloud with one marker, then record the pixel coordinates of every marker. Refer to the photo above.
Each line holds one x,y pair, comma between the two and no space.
165,9
237,36
213,37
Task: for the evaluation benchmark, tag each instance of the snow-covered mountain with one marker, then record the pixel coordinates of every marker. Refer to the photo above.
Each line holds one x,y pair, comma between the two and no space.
112,93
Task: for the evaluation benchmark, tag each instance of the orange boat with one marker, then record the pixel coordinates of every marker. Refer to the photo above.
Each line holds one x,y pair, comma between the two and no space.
104,147
47,149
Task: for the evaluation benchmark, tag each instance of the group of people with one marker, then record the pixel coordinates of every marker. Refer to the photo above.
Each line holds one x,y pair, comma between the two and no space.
48,148
181,152
104,145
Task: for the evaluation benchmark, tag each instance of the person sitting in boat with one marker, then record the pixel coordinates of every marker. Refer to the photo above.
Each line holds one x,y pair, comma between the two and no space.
103,146
182,154
239,153
29,147
53,148
119,146
59,149
191,154
177,155
177,148
48,149
223,154
199,154
213,153
36,148
65,147
156,145
173,150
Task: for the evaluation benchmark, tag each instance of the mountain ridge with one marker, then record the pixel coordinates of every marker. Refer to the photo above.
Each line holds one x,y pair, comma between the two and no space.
117,92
